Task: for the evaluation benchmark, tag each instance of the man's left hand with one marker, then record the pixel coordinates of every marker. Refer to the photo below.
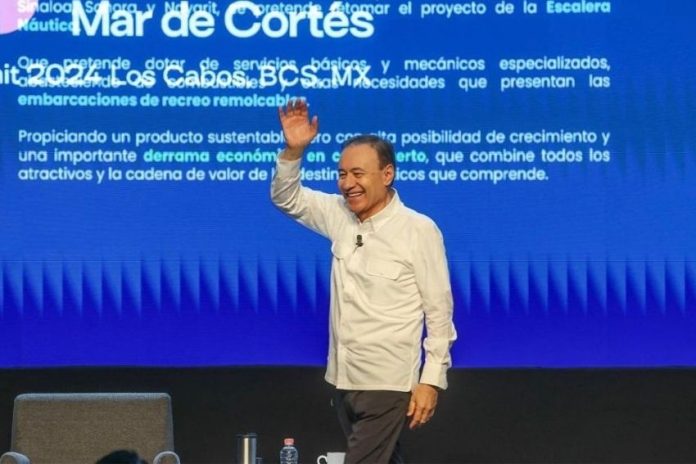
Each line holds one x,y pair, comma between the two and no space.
422,405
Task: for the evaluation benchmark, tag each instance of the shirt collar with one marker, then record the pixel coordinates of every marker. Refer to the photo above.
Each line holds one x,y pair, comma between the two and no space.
373,223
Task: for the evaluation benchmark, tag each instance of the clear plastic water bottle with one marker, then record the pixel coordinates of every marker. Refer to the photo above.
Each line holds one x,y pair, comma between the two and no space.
289,454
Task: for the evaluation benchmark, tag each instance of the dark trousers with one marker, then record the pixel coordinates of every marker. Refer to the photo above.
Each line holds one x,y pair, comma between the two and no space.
372,422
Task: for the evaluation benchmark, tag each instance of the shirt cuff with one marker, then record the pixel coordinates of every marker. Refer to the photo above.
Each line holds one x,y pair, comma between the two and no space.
288,167
434,375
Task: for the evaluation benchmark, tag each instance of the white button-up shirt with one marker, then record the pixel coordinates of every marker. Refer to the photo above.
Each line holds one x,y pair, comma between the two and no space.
381,291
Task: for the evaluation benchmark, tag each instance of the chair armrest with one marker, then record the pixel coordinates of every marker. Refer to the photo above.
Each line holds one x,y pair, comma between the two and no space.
14,458
165,457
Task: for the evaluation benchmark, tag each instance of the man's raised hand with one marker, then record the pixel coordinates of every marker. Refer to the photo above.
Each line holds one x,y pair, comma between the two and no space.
297,128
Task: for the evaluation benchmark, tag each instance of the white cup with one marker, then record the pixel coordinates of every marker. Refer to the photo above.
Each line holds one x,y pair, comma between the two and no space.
331,458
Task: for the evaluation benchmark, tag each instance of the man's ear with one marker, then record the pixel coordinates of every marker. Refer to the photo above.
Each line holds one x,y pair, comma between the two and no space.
388,174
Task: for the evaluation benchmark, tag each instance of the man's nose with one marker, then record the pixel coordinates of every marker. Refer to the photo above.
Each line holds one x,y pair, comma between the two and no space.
347,182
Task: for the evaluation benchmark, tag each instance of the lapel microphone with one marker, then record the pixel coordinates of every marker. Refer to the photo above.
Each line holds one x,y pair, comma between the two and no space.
358,241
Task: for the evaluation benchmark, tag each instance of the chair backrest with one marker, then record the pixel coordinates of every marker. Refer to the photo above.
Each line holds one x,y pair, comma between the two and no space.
77,428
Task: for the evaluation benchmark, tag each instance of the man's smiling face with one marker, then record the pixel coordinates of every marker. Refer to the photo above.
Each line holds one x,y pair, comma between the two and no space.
363,183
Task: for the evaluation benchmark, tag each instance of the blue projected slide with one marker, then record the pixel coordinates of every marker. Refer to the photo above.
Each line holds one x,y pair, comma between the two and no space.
552,141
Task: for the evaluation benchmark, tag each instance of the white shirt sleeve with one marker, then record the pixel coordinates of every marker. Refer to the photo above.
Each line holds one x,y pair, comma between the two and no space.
316,210
432,277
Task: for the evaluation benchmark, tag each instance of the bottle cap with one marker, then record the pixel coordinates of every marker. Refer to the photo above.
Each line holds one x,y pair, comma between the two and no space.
289,441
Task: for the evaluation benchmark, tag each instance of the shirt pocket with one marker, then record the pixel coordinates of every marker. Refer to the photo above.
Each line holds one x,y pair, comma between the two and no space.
383,268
